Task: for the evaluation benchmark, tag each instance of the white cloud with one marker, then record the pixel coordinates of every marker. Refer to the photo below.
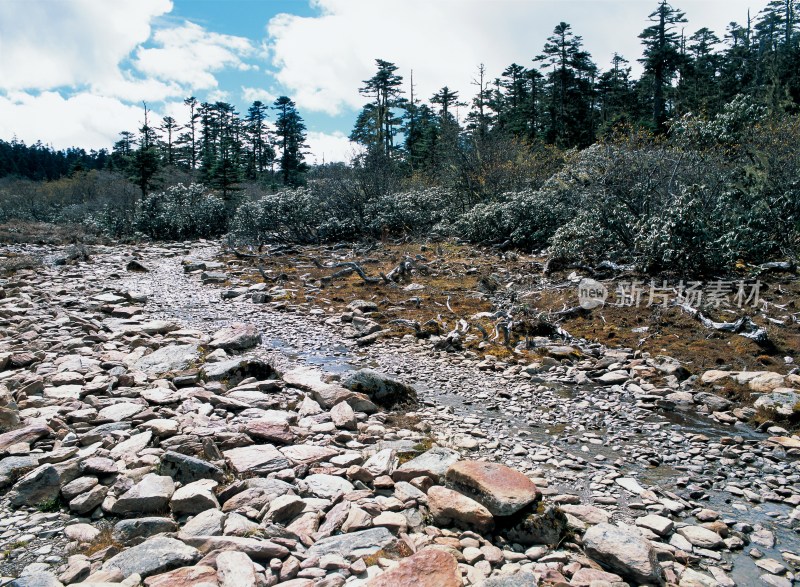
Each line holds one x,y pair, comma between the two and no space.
252,94
189,55
46,45
85,120
322,60
329,147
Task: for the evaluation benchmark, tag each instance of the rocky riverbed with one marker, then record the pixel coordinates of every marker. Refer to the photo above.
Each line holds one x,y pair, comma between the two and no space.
168,422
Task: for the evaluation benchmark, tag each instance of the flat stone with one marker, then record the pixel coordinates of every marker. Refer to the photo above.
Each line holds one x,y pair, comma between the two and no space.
433,463
266,430
785,441
766,381
501,489
426,568
187,469
382,389
235,569
237,337
450,507
308,454
26,434
327,394
153,556
354,545
701,537
119,411
195,576
614,377
258,550
174,357
260,459
781,400
623,551
194,498
150,495
512,579
587,576
586,513
81,532
327,486
658,524
343,416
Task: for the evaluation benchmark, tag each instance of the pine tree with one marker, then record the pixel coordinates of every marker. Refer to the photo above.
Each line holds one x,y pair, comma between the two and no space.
570,88
291,133
260,152
170,128
377,124
662,57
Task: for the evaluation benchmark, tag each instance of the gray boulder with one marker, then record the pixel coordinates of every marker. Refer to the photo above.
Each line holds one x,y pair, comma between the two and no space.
237,337
40,485
380,388
187,469
174,357
156,555
353,545
150,495
624,551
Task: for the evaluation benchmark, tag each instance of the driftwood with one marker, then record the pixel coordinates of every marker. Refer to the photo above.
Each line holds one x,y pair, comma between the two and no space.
777,267
744,326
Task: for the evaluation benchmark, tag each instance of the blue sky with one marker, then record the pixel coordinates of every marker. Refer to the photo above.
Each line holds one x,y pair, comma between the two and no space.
74,72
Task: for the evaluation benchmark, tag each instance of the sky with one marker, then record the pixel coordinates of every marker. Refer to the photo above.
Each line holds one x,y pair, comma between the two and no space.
75,72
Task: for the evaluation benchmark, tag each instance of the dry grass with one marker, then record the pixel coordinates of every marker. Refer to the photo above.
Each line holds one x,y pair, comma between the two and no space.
103,541
456,272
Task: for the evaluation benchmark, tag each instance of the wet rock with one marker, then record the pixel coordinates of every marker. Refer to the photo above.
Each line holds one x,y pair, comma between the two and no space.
427,568
501,489
623,551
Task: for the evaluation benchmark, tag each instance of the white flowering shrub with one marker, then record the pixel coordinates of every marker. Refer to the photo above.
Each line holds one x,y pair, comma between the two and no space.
411,212
181,212
292,215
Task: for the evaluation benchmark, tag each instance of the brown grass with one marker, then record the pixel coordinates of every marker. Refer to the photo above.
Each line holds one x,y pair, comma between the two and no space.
455,272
